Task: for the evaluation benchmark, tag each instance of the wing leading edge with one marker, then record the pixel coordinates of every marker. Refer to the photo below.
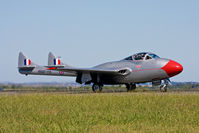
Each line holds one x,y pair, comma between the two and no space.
90,70
122,71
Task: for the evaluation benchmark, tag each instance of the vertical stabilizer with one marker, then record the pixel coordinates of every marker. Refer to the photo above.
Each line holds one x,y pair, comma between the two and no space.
23,61
54,61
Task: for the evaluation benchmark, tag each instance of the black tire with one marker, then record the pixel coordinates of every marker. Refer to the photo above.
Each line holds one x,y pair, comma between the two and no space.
97,88
130,87
133,86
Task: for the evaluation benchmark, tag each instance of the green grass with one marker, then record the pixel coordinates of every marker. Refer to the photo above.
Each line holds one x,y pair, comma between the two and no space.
121,112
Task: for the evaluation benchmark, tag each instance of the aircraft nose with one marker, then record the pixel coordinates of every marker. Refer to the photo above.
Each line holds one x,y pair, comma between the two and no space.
172,68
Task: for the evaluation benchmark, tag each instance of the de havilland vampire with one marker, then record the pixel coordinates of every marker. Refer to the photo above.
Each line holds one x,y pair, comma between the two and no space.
138,68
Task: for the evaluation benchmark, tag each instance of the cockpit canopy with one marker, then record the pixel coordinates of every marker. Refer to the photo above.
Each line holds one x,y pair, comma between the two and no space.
142,56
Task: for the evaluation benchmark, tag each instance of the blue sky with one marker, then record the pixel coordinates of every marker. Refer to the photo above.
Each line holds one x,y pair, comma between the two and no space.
87,33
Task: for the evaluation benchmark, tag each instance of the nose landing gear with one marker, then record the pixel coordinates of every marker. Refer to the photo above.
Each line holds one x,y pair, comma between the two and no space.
163,88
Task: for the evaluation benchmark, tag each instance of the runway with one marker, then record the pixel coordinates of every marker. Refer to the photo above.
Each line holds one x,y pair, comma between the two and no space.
13,92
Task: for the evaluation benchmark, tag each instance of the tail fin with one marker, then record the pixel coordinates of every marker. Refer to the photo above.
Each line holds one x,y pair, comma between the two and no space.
23,61
54,61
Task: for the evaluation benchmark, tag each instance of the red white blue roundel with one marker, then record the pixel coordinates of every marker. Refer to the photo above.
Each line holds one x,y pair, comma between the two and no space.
57,61
27,62
60,72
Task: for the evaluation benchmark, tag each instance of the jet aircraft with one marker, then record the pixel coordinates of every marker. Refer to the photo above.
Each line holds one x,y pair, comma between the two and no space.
138,68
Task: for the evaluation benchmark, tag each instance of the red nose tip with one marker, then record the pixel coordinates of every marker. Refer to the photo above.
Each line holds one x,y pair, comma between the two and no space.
172,68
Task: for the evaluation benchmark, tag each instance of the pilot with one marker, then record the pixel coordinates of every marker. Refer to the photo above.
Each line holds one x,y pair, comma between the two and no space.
140,57
147,57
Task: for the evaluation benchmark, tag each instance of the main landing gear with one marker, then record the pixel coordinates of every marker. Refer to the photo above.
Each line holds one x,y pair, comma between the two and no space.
130,87
97,87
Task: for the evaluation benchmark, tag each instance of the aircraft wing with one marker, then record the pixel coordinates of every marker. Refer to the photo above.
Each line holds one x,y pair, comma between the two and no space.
121,71
92,70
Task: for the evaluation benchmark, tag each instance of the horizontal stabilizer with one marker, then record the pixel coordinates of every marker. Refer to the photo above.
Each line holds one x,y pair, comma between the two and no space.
26,68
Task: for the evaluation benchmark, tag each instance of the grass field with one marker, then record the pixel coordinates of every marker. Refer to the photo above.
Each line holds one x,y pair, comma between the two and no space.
112,112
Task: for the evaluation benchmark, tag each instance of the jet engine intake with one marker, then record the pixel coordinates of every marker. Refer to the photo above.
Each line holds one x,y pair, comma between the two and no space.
124,71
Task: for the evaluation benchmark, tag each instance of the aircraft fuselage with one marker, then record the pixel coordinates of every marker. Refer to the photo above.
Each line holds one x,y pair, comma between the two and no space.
141,71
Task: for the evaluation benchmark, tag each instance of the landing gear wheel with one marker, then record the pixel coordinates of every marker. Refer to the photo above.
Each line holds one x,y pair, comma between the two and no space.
163,88
97,88
130,87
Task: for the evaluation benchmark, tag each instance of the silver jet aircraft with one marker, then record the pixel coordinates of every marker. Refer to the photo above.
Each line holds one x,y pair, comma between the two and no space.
139,68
